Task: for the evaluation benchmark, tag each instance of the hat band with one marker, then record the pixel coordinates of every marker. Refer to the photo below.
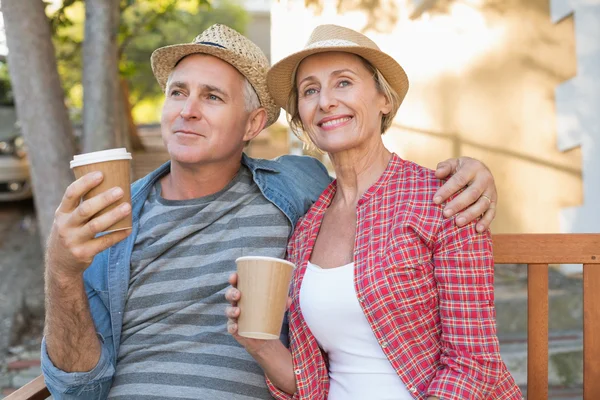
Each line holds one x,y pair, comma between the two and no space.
332,43
212,44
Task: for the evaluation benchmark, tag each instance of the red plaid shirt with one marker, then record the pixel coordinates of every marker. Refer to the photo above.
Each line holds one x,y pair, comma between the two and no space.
425,286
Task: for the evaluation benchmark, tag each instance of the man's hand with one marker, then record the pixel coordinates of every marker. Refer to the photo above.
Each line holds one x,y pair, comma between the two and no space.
72,244
479,196
70,333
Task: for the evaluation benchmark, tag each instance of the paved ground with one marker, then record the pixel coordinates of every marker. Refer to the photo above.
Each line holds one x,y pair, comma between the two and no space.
21,366
21,287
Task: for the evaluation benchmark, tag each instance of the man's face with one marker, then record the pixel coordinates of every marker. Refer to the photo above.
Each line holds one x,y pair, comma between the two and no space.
204,119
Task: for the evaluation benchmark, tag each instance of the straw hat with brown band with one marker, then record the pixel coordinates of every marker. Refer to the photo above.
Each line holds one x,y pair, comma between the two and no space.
228,45
334,38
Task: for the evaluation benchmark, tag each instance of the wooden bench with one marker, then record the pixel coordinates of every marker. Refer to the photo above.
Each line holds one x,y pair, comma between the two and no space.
537,251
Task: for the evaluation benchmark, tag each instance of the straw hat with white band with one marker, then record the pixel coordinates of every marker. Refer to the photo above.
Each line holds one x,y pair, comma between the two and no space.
334,38
228,45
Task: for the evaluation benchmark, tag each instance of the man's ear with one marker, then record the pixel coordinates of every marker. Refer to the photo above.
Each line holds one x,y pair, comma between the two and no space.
256,123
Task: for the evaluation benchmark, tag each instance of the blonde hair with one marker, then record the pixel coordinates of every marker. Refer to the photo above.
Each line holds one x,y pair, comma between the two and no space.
382,85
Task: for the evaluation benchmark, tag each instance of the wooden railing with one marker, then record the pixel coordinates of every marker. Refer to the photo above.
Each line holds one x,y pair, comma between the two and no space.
34,390
537,251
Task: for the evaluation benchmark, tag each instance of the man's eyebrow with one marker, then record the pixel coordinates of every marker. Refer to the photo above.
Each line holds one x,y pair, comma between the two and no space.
177,84
334,73
212,88
204,87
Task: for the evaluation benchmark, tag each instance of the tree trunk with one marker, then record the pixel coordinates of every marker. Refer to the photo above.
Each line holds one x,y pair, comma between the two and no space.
124,139
40,105
134,139
101,85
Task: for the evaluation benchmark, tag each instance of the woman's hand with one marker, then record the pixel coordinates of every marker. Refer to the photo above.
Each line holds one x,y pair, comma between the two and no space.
232,295
480,195
274,358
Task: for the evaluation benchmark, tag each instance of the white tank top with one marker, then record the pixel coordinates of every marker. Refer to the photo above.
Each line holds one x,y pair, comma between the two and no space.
358,368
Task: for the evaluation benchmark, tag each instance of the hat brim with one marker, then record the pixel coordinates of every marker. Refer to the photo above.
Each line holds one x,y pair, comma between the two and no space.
280,79
164,60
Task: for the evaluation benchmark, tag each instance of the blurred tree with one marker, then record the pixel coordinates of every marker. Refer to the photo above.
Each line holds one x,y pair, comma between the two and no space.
144,26
121,36
6,94
102,128
382,15
179,25
40,108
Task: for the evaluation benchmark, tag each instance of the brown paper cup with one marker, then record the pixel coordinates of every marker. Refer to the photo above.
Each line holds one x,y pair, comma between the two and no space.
115,166
264,283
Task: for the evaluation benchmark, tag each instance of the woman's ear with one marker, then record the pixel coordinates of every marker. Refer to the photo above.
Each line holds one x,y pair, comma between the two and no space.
256,123
387,105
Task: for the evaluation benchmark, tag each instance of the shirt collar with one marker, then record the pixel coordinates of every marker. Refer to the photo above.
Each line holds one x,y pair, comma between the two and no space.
256,163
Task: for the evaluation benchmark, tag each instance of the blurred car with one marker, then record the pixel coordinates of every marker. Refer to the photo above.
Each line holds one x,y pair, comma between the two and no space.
15,178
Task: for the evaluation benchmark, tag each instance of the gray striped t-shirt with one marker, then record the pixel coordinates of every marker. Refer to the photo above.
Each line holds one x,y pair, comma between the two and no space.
174,343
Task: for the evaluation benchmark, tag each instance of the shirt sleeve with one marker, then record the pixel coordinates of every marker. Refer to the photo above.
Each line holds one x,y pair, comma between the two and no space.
94,384
464,272
278,393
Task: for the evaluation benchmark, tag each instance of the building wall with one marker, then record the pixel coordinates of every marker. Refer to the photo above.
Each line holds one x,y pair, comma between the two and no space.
482,78
259,31
259,26
578,107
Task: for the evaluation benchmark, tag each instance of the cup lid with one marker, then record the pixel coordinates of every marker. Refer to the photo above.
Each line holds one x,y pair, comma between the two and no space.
265,258
100,156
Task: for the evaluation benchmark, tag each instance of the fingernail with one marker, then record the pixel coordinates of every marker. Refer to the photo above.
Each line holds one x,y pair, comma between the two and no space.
97,175
437,199
448,212
117,192
461,220
125,207
480,228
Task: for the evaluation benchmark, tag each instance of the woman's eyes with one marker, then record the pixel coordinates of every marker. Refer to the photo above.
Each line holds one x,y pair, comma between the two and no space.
340,84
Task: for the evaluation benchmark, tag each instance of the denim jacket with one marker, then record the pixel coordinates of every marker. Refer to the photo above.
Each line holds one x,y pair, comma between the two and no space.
292,183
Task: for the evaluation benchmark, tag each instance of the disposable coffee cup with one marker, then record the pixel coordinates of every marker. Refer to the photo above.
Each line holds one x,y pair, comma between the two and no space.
114,165
264,284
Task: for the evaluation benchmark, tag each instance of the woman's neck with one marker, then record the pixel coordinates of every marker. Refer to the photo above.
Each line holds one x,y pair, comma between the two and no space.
357,170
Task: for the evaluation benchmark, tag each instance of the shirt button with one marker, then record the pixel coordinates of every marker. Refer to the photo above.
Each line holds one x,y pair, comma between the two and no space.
413,390
384,344
297,372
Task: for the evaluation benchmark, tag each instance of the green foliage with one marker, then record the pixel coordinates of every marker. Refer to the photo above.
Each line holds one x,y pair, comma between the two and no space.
144,27
6,94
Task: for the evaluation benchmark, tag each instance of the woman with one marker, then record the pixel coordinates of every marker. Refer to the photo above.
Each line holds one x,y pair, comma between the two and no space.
389,299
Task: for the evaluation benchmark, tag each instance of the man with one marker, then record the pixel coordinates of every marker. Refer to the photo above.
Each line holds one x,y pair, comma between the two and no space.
140,313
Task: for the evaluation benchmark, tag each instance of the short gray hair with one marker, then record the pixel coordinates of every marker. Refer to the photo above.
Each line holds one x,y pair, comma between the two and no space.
250,97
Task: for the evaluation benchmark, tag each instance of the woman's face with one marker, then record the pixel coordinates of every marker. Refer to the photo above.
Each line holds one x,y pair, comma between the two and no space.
338,102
